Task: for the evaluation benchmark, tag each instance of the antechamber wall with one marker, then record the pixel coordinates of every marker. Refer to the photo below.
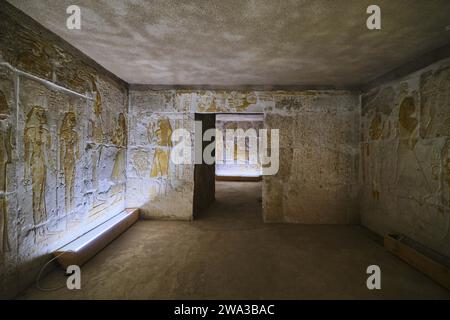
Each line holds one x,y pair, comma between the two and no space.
78,145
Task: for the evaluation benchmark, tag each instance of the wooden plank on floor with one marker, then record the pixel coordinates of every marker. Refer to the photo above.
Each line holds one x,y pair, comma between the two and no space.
433,269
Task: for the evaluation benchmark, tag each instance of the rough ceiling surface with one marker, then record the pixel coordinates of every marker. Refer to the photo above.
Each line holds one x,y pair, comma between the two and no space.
248,42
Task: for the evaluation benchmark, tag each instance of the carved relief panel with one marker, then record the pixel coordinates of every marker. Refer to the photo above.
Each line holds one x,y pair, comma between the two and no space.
8,195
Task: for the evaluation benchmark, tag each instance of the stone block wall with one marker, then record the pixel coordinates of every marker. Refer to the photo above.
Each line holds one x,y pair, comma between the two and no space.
317,181
155,184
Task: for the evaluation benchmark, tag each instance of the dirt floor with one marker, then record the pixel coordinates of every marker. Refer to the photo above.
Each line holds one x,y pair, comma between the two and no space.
229,253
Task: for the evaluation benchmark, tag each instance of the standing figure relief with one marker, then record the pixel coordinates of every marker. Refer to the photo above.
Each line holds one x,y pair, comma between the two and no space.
162,134
97,133
37,145
408,123
119,138
5,159
375,133
97,124
69,153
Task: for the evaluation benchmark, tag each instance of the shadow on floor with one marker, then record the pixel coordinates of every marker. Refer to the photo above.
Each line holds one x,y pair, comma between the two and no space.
231,254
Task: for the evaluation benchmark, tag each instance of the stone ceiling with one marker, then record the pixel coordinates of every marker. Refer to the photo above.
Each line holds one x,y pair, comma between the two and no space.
248,42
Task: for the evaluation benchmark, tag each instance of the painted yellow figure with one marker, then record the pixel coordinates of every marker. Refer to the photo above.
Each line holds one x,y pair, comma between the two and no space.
163,134
246,100
120,140
5,159
37,143
69,153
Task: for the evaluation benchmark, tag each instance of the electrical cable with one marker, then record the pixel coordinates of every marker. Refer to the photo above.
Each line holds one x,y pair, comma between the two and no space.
42,270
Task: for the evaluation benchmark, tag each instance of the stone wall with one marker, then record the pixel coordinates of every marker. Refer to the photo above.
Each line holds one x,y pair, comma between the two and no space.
160,188
405,157
62,147
317,180
76,147
155,184
240,164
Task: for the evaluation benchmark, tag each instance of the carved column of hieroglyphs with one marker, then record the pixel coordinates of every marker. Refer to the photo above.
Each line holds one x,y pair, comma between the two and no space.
37,143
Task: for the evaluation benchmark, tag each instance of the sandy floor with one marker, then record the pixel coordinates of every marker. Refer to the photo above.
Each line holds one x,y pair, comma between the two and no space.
229,253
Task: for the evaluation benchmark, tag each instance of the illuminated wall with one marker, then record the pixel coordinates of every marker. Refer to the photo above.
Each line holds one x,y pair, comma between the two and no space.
239,164
77,146
317,181
156,185
63,136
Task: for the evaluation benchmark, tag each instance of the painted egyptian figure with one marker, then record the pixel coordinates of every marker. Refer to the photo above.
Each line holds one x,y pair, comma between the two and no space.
411,177
37,144
120,140
69,153
97,133
97,124
408,124
5,159
163,134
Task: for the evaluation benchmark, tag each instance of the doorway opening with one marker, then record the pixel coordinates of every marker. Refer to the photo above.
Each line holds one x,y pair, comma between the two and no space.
234,171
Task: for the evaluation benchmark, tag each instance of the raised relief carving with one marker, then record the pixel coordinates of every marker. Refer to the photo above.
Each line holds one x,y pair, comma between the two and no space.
30,50
119,138
69,153
375,133
210,101
241,101
162,134
97,135
35,55
408,122
140,162
97,124
37,145
5,159
434,102
411,177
